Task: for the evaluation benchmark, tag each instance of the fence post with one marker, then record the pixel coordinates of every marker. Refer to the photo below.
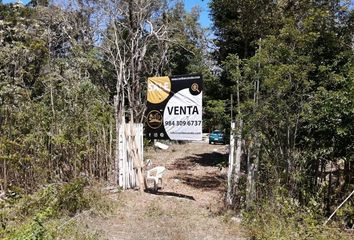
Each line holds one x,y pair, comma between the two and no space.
230,172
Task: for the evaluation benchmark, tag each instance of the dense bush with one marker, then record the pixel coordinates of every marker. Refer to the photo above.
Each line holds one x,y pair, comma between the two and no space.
39,216
284,218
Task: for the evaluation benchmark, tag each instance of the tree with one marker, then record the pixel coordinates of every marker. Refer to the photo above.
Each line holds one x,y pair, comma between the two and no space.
50,129
215,114
294,99
133,44
129,42
239,24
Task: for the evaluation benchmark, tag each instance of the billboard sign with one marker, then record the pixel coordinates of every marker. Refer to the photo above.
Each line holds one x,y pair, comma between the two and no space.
174,107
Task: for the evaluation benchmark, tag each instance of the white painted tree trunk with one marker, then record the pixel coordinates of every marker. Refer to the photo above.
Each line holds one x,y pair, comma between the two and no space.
230,172
238,152
234,169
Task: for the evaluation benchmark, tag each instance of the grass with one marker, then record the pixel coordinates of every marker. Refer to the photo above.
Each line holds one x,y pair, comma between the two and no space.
54,212
154,210
284,219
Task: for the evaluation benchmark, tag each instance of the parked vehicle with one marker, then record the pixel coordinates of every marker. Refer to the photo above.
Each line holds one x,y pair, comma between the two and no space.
217,137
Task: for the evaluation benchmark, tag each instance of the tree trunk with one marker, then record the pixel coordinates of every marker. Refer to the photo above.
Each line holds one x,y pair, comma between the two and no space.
329,192
117,122
5,176
231,169
238,153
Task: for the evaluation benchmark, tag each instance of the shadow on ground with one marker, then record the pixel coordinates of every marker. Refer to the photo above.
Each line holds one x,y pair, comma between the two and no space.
213,159
211,180
202,182
171,194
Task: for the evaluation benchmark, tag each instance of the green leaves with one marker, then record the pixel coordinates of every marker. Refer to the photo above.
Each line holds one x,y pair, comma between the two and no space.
48,213
53,112
216,114
295,86
188,42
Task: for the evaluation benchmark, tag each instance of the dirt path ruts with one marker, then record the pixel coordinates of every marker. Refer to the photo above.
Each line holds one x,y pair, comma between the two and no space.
187,207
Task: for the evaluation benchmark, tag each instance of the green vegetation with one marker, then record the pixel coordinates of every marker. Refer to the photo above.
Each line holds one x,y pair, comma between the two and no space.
64,79
52,212
290,66
70,74
55,123
58,84
286,219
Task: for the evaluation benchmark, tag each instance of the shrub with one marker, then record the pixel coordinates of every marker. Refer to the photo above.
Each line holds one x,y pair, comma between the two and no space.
40,215
284,218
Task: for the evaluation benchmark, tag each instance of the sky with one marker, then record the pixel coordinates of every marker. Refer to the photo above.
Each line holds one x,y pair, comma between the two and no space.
204,15
189,4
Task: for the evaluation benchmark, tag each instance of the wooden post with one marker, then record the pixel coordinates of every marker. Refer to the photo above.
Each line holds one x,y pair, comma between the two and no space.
121,156
116,166
131,156
238,152
136,155
230,172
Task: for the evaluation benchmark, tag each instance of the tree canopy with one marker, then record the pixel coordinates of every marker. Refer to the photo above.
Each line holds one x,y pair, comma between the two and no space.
72,71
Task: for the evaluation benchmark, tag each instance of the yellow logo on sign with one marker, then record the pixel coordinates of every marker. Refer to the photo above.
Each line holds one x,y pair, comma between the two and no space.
159,89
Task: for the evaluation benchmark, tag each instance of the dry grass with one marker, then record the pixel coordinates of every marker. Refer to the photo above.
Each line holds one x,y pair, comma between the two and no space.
187,208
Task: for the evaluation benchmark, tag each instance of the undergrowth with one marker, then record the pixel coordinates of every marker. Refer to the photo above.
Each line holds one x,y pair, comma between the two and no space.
285,219
54,212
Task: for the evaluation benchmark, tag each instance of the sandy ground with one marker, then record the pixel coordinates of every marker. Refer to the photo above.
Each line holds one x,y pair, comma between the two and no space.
188,207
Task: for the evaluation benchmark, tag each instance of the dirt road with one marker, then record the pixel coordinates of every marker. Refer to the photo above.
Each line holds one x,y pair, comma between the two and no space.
189,206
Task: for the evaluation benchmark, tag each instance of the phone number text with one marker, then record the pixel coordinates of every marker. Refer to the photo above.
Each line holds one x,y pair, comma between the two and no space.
183,123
